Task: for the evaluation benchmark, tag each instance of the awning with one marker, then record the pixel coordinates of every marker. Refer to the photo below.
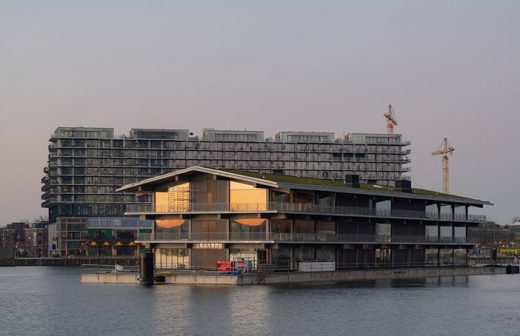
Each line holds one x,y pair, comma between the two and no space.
169,223
106,244
132,243
250,221
92,243
119,243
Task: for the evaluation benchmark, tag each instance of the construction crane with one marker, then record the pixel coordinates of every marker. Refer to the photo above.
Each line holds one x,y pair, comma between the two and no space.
390,120
444,149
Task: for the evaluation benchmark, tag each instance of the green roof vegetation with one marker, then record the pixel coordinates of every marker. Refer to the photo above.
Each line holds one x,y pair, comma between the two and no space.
328,183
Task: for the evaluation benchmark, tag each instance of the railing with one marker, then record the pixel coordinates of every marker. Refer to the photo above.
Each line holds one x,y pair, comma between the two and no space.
323,237
300,208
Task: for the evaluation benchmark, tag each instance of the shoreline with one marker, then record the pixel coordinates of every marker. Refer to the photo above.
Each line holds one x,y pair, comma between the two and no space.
64,261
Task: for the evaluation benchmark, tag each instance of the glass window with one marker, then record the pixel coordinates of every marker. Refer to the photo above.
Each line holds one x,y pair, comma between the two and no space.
304,230
383,232
432,211
446,212
305,252
248,229
459,233
383,256
249,255
459,257
171,229
179,197
246,197
431,257
176,198
281,229
326,231
383,208
446,256
460,212
325,200
161,201
167,258
446,232
279,197
432,233
303,197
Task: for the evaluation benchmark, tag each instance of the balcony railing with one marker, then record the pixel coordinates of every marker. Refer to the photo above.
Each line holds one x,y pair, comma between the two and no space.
299,208
323,237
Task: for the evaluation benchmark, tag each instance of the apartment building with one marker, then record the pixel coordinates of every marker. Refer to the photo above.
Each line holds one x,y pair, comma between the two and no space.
86,165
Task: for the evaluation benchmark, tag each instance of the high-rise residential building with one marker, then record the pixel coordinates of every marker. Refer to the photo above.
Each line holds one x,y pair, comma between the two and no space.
86,165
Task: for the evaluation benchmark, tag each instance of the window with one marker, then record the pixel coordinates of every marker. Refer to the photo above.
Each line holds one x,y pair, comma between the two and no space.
246,197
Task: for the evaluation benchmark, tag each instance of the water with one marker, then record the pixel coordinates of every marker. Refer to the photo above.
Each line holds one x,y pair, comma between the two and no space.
51,301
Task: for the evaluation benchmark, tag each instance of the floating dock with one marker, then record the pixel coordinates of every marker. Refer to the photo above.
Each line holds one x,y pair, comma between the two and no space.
213,278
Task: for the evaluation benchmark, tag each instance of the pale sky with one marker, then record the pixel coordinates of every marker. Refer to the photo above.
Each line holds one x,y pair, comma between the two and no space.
450,68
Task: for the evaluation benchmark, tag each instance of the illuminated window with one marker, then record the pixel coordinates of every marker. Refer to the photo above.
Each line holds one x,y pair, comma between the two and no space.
246,197
175,199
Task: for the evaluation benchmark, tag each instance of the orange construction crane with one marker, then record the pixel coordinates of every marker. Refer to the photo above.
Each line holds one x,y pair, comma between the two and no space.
444,149
390,120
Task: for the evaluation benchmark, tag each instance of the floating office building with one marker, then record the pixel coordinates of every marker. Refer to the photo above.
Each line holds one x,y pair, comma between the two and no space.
202,215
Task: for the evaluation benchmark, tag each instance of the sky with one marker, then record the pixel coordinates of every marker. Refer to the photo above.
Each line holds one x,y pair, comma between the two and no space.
449,68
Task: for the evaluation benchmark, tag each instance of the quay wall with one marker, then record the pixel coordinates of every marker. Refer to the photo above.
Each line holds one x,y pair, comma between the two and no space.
77,261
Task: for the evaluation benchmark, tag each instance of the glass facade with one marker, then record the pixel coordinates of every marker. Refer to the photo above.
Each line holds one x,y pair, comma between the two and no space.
171,258
248,228
247,197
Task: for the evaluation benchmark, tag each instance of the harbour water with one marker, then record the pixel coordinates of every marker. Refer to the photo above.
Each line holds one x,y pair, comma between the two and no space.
51,301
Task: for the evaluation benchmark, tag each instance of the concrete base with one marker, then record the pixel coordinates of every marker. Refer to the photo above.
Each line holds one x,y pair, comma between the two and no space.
370,274
202,279
207,278
110,278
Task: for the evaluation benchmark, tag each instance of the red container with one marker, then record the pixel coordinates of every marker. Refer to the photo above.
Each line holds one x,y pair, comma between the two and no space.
224,266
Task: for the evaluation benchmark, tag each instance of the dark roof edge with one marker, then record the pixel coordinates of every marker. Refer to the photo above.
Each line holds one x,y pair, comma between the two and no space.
346,190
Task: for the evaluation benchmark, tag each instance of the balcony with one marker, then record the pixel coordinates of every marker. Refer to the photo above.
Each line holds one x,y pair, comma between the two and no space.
289,237
138,209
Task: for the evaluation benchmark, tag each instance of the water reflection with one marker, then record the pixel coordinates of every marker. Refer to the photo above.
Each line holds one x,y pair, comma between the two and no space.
249,309
51,301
